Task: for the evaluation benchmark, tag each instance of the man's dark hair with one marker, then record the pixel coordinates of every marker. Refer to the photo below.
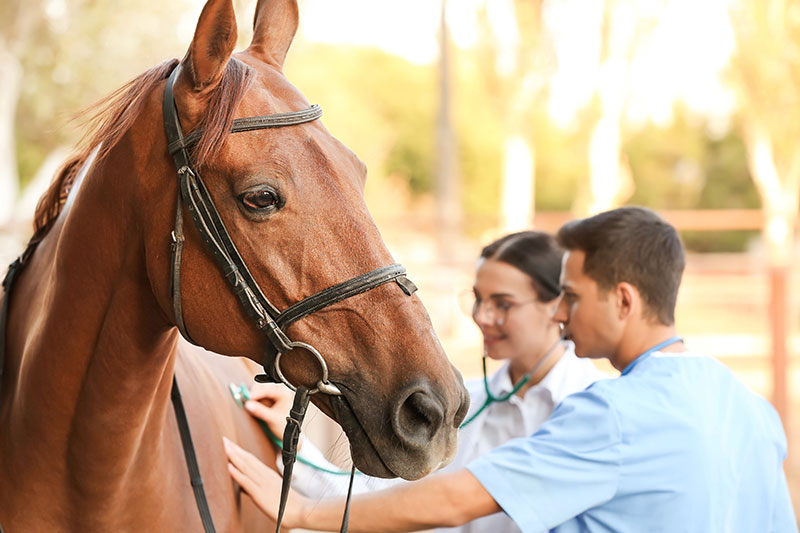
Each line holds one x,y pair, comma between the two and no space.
634,245
536,254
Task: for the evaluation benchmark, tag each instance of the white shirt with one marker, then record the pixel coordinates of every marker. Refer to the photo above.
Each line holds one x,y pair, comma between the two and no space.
498,423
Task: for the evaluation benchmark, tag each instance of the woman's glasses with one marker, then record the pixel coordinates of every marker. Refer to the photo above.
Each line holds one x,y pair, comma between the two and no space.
494,309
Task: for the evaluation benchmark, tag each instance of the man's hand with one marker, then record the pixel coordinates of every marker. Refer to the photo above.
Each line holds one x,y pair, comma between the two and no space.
441,500
262,484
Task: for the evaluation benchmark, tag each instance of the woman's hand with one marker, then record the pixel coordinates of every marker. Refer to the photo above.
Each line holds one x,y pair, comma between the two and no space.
271,403
262,484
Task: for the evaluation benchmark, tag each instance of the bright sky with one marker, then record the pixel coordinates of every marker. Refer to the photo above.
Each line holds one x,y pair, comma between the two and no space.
681,57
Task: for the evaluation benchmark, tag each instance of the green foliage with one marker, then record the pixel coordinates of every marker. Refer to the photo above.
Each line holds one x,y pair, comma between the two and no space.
479,129
74,58
380,105
765,71
562,164
385,109
718,241
682,166
728,181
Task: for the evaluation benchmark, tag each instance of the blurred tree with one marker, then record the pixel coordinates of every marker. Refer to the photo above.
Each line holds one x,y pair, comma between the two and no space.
71,53
766,71
380,105
562,164
18,22
517,60
625,25
683,166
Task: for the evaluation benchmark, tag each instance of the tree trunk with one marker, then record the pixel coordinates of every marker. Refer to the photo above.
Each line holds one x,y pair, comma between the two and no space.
610,183
448,194
779,198
519,172
11,76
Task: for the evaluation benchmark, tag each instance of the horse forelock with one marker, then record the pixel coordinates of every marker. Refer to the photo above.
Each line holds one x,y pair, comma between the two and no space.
218,118
111,117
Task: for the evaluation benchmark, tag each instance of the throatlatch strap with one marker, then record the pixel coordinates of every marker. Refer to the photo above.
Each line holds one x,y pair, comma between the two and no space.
177,252
191,459
8,282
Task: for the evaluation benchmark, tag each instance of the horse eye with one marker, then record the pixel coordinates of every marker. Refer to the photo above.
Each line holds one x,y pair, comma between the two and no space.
259,200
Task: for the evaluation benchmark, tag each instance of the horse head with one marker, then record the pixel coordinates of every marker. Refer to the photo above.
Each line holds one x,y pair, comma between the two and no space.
291,199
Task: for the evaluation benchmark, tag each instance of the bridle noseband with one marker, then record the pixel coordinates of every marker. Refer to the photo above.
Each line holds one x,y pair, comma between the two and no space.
271,321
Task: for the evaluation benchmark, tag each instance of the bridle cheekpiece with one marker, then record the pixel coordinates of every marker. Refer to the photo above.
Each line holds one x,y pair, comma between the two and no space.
271,321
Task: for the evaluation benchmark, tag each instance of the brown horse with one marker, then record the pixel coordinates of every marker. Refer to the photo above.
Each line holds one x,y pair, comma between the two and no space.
88,440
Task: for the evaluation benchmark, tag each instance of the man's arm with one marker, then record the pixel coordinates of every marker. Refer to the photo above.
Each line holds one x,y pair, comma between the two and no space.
441,500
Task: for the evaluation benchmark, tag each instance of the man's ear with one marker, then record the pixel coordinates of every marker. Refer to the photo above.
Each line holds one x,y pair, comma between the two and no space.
628,299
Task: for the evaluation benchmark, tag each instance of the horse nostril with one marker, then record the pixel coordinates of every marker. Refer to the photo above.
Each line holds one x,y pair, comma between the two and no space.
463,408
417,419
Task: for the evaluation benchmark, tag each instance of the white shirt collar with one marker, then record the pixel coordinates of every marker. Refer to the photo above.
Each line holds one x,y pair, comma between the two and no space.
556,381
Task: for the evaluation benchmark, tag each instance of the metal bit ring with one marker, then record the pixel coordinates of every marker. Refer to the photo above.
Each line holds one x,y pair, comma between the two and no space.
323,385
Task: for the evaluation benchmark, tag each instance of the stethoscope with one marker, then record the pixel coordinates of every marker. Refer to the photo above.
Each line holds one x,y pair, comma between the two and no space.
491,398
241,394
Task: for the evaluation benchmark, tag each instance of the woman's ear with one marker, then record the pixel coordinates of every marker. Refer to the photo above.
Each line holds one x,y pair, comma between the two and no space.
552,306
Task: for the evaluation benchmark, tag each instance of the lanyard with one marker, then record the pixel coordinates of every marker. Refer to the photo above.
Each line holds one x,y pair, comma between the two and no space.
644,355
491,398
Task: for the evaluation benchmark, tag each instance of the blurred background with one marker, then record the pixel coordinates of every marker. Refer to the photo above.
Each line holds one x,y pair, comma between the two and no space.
481,117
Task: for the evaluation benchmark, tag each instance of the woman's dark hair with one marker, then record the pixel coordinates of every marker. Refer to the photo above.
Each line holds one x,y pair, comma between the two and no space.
535,253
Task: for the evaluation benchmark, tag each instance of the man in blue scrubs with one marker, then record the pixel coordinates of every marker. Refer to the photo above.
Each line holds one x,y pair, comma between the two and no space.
675,444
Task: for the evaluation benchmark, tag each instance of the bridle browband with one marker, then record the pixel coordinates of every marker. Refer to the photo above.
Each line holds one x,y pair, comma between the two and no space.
271,321
214,234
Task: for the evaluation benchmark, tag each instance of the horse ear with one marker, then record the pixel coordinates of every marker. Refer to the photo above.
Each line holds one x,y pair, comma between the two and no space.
212,46
274,27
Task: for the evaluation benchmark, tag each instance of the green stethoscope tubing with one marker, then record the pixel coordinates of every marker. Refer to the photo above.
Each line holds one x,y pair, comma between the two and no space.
241,394
491,398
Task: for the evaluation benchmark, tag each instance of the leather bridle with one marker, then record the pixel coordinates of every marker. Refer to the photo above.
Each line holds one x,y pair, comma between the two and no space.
272,322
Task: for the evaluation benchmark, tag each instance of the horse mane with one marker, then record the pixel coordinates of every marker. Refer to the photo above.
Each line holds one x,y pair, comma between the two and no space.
111,117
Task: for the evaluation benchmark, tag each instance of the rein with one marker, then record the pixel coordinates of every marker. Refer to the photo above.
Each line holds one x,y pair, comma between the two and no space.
272,322
8,282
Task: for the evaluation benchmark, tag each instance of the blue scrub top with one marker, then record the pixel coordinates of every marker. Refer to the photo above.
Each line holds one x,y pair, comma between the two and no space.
675,444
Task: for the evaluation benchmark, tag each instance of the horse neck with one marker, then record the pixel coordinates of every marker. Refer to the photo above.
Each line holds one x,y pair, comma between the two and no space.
91,351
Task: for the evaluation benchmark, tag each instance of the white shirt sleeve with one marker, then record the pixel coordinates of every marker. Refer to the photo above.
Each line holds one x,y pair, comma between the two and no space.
315,483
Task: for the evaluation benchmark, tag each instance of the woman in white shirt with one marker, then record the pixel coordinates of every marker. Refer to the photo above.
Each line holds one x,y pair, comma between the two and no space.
513,299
